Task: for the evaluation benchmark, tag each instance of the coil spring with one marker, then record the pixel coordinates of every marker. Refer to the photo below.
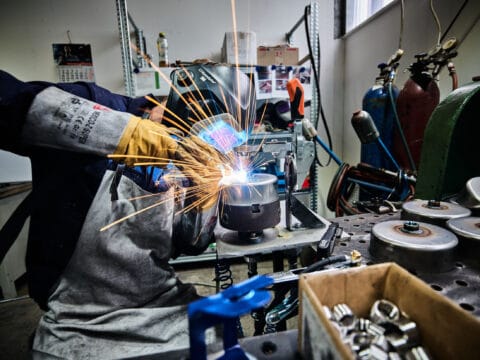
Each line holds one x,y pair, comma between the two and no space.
223,275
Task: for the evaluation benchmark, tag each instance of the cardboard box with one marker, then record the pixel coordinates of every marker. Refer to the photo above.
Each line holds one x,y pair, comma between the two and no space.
277,55
447,331
247,44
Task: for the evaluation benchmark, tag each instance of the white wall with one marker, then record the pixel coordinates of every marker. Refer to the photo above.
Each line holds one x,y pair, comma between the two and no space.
194,28
374,42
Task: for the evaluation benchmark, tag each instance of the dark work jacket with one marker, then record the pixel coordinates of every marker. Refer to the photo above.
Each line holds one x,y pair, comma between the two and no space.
63,183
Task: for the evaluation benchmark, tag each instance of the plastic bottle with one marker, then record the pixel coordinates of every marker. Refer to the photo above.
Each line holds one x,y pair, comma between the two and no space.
162,46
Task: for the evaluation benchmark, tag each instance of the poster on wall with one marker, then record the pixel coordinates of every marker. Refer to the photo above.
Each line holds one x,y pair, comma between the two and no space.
74,62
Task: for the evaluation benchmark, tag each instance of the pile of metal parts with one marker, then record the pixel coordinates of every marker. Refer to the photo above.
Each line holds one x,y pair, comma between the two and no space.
388,333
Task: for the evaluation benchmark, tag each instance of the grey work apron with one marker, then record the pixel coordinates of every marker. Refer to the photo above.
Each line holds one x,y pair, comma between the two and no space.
118,296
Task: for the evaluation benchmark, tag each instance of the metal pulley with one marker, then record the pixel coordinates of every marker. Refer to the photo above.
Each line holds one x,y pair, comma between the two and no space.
414,245
468,231
432,211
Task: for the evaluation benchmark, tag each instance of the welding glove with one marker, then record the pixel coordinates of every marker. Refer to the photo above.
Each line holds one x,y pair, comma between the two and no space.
67,122
199,161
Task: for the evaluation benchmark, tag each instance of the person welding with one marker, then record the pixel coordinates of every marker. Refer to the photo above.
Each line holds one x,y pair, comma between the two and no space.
110,293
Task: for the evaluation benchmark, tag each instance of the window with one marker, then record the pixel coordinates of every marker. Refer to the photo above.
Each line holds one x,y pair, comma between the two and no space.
351,13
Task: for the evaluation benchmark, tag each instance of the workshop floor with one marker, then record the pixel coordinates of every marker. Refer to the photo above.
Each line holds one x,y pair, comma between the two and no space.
18,318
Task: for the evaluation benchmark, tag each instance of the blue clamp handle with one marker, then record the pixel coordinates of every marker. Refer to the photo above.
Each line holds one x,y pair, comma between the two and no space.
226,307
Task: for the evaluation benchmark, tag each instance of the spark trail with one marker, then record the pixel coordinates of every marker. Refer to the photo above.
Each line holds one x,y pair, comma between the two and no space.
219,170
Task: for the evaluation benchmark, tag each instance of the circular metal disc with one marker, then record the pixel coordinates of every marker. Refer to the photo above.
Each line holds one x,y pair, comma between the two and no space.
428,238
445,210
468,227
417,247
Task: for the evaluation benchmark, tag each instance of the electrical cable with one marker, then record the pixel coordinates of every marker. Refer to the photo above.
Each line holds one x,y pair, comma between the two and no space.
453,20
402,19
437,20
400,131
316,76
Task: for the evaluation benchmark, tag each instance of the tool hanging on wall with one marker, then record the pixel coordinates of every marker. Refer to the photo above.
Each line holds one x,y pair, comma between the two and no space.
419,97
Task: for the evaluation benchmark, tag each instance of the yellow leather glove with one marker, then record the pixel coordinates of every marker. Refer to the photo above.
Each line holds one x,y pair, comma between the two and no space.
148,141
145,141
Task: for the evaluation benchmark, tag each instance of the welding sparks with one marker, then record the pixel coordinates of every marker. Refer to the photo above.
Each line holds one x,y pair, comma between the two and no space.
225,169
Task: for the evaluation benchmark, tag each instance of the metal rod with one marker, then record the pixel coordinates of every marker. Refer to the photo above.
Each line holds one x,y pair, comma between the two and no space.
370,185
289,34
329,151
389,155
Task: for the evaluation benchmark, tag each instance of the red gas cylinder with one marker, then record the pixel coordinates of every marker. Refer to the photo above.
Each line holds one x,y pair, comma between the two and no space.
416,102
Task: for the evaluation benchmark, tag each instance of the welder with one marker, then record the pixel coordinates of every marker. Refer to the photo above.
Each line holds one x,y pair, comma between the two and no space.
112,293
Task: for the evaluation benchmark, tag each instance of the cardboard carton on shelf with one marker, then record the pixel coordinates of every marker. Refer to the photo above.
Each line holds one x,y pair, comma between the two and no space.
447,331
277,55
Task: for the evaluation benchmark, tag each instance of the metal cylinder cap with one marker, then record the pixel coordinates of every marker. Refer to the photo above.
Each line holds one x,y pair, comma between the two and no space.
467,227
432,211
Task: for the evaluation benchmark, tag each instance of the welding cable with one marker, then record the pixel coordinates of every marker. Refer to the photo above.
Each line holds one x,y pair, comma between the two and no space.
316,76
453,20
402,20
400,130
437,21
319,265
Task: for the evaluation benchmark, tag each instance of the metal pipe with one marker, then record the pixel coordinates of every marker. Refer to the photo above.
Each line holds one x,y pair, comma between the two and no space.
289,34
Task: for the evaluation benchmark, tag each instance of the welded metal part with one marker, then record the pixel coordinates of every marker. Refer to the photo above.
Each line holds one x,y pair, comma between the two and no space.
344,315
273,239
394,356
470,195
468,227
250,206
381,342
432,211
384,311
408,329
398,342
415,246
358,341
327,312
363,324
417,353
375,329
377,353
468,231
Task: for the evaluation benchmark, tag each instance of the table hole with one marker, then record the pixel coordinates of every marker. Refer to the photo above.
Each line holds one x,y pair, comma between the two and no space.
467,307
269,348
